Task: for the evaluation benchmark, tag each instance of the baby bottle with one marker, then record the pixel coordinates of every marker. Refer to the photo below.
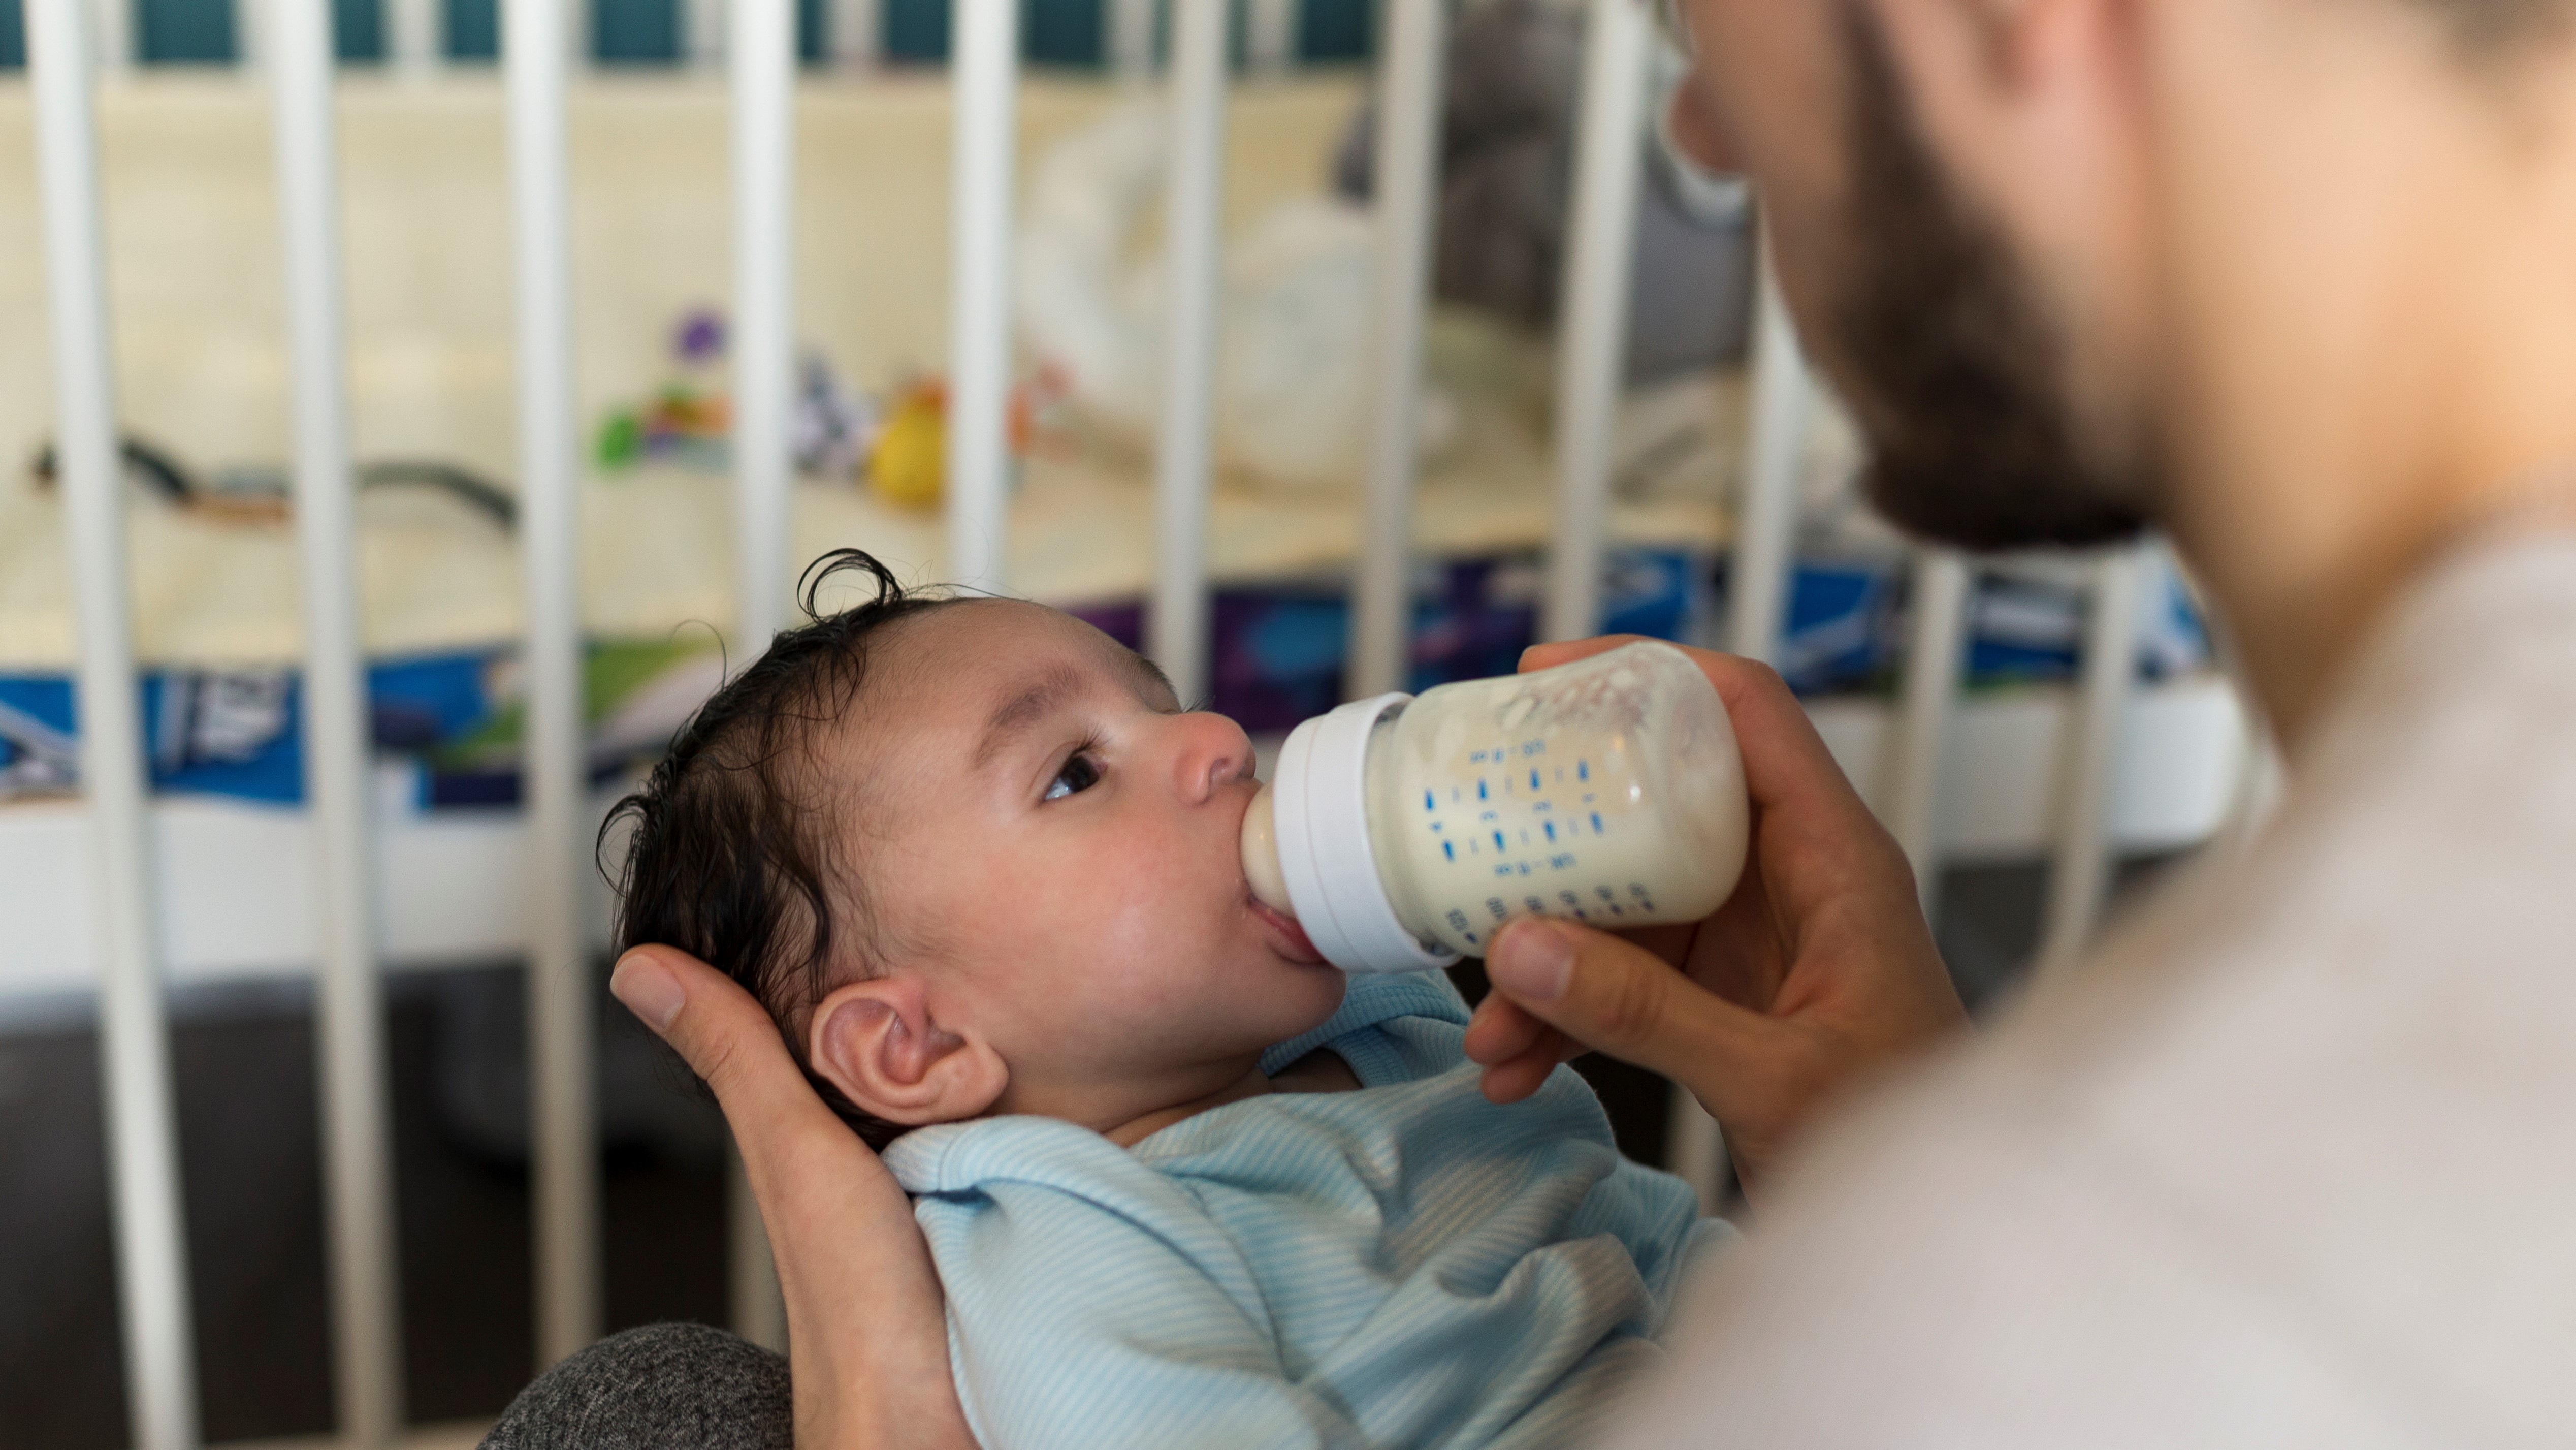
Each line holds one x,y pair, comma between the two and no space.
1400,832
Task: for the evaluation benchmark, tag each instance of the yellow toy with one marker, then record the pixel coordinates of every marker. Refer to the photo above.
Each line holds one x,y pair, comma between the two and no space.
909,464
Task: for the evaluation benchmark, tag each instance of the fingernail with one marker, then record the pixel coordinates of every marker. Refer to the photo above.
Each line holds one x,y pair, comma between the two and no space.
1532,961
648,989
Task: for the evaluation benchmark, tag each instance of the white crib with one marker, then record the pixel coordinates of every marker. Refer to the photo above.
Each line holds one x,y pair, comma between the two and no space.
1904,755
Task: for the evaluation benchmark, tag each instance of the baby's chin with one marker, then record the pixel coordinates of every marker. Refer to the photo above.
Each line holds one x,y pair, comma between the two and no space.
1261,998
1316,990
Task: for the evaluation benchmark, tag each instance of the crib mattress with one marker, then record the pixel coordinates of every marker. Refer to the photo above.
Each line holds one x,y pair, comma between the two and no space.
657,554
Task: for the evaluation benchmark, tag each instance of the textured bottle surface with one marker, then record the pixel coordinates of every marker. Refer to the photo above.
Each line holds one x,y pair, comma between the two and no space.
1608,790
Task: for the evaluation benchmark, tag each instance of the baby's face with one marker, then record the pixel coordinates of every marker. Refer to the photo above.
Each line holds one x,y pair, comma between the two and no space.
1053,845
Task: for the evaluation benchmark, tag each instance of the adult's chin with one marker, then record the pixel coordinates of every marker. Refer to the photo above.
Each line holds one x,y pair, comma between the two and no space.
1984,505
1959,370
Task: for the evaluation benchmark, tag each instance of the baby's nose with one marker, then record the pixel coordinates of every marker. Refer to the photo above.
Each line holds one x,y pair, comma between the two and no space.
1215,753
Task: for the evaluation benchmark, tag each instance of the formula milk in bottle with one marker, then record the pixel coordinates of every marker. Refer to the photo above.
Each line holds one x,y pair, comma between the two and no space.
1400,832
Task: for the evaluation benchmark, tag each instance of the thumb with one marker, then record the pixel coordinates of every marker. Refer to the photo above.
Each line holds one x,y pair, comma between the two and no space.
1617,997
726,1037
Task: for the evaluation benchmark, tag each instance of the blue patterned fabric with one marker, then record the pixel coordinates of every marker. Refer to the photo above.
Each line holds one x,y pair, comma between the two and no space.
1406,1264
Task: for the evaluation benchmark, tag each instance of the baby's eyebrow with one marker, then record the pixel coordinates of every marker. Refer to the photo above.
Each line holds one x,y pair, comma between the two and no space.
1152,674
1026,706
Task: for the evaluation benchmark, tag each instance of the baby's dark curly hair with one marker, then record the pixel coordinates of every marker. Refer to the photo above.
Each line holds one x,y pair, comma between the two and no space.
732,856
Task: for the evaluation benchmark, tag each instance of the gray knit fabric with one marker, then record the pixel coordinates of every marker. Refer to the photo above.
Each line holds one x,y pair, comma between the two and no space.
662,1387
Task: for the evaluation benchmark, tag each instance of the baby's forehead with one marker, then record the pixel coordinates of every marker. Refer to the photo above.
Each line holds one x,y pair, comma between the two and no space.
947,677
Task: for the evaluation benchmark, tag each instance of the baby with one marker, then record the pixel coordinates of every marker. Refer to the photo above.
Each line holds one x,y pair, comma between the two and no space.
1185,1183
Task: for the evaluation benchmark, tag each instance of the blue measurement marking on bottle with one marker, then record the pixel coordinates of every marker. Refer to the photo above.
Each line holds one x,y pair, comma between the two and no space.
1534,778
1596,823
1430,802
1551,829
1583,770
1498,840
1449,850
1480,787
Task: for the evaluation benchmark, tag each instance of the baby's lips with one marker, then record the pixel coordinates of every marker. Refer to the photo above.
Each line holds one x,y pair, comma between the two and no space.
1299,947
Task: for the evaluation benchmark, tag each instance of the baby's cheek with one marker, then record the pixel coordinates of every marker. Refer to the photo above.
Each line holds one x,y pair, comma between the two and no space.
1153,924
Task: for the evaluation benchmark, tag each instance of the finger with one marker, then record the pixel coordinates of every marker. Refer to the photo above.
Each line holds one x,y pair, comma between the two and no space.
1501,1031
1510,1082
1617,997
725,1036
1785,760
1567,651
800,1157
1672,940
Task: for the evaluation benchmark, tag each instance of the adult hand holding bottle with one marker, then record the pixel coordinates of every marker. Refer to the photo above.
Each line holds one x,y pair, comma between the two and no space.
1818,971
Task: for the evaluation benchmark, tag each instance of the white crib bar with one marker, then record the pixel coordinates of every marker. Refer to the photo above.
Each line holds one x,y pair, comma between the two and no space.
357,1115
2079,872
112,31
1131,37
763,57
1183,470
1270,34
705,28
1407,174
536,53
415,35
763,61
1592,339
1774,451
1765,528
857,32
1910,794
984,83
250,35
142,1138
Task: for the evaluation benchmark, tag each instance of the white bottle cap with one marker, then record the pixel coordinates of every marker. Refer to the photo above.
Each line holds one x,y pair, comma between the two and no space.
1319,801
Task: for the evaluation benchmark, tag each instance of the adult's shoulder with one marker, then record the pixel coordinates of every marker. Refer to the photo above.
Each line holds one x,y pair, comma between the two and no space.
2286,1161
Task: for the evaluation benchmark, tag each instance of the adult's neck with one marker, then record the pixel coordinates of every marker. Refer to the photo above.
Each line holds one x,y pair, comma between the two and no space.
2375,336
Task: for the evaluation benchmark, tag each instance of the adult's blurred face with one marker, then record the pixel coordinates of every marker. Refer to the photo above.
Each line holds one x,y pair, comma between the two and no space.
1950,355
1914,299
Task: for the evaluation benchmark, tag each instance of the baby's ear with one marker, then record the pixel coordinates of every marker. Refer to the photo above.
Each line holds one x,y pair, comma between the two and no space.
877,1043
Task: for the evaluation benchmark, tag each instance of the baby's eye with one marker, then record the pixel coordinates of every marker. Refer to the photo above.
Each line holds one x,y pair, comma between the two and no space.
1080,773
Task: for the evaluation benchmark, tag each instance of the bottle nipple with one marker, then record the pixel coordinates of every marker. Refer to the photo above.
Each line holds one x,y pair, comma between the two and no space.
1261,856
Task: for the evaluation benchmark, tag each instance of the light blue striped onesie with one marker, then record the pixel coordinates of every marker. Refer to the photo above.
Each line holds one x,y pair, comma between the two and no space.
1404,1265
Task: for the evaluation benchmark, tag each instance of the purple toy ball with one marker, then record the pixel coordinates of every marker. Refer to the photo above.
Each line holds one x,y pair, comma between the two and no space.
700,337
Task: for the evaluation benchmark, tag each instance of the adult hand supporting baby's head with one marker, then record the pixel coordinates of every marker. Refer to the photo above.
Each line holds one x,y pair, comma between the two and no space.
867,1332
1819,969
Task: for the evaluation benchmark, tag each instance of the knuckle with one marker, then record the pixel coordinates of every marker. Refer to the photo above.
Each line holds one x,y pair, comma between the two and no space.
1632,1006
717,1063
